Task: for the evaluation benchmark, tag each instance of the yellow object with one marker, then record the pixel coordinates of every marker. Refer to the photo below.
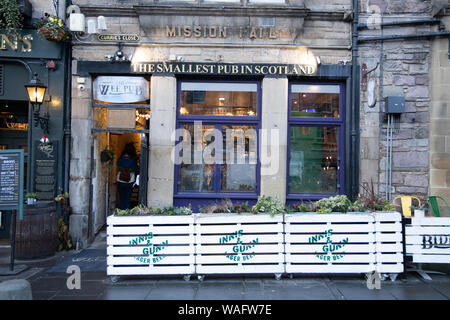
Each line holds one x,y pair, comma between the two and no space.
406,202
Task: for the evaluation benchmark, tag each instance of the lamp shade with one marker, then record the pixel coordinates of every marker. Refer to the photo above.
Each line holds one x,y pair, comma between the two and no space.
35,90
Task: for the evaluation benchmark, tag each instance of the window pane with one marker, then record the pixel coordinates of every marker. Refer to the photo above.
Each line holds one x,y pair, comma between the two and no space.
315,101
238,173
195,175
313,166
218,99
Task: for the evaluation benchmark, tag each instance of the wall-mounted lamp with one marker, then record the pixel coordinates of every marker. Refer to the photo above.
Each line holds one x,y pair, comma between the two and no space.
36,92
119,56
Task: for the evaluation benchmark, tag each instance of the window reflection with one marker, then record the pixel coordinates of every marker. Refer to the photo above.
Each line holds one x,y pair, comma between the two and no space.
313,164
238,173
315,101
218,99
197,176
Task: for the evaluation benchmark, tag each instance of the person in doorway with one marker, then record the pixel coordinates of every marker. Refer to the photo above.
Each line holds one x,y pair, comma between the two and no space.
126,175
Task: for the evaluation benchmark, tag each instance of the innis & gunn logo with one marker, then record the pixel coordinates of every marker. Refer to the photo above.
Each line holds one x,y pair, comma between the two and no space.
329,249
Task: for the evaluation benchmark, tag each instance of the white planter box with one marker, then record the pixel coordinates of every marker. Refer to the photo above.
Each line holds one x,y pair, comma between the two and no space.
254,244
343,243
239,243
428,240
150,245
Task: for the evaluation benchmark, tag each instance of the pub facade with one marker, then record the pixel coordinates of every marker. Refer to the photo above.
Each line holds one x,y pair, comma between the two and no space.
26,57
236,99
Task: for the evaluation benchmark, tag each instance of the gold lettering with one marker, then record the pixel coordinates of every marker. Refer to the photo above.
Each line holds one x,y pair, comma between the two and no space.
294,70
151,68
241,32
220,68
26,45
197,31
187,32
177,69
264,68
248,69
212,32
159,68
179,31
257,69
272,33
205,68
170,32
235,69
253,33
272,70
261,33
5,40
222,32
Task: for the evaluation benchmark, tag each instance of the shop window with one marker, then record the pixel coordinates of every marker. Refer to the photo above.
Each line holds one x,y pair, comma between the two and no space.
217,99
316,145
217,145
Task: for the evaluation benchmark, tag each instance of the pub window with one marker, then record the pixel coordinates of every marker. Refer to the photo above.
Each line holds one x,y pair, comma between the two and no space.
217,139
316,144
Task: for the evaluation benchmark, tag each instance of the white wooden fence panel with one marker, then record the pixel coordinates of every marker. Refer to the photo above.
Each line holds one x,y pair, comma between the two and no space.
220,234
317,228
150,245
348,258
330,268
240,269
256,248
428,240
318,248
389,242
153,270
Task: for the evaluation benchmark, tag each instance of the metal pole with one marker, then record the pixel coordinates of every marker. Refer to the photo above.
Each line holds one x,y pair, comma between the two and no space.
387,157
13,241
390,161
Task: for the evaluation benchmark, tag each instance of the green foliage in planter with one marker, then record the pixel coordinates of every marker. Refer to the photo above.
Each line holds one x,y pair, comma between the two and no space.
368,200
224,206
31,195
10,17
299,207
268,205
143,210
338,203
239,207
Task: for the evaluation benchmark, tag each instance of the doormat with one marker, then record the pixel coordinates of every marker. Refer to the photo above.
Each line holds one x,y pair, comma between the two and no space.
89,260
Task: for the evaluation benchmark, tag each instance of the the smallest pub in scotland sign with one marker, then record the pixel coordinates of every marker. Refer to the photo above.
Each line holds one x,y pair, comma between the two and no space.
236,69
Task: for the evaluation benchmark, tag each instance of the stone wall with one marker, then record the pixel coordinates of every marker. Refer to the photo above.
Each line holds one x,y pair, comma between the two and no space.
402,69
440,121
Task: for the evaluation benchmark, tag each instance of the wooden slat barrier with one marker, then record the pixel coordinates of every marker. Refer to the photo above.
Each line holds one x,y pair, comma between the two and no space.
247,243
428,240
150,245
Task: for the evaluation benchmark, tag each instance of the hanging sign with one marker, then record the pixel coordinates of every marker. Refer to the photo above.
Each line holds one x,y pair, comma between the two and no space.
121,89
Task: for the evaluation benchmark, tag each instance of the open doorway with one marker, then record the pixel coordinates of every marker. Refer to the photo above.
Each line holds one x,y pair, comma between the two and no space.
105,193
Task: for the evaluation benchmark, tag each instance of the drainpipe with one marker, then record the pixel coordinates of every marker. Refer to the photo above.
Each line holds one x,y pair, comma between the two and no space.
364,26
67,116
354,116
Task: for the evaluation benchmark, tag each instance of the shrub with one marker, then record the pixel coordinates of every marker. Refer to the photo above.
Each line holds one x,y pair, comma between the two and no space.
269,205
338,203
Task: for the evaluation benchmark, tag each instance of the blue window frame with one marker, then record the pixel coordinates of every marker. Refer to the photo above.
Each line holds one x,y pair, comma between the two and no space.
316,144
210,109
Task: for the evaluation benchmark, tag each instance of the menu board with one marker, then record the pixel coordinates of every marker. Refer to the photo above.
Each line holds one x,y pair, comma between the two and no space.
11,184
45,167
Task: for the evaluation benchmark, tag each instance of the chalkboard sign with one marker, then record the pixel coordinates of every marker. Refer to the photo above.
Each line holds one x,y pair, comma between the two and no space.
45,168
11,180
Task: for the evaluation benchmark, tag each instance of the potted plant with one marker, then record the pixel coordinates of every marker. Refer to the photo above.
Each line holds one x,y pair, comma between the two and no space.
52,28
31,198
418,212
107,157
10,15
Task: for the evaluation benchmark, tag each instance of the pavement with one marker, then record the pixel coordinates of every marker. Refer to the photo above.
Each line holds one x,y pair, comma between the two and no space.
99,286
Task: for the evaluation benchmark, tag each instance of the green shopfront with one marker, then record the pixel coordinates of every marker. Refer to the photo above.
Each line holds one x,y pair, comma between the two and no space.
22,125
